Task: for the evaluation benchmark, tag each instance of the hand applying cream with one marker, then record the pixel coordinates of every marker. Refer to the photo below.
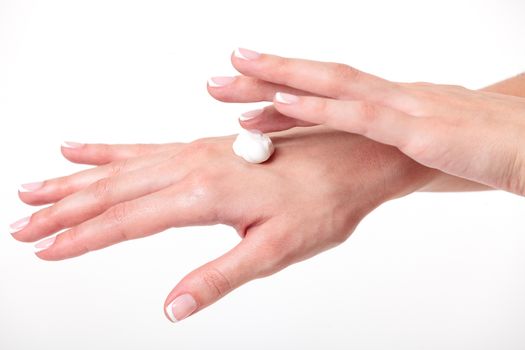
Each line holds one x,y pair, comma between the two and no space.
253,146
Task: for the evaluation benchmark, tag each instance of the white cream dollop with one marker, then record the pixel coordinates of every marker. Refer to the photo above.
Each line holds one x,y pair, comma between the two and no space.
253,146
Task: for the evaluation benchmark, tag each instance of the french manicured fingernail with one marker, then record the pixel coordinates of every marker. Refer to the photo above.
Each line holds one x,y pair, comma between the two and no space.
71,144
283,97
250,115
19,224
181,307
31,187
44,244
246,54
220,81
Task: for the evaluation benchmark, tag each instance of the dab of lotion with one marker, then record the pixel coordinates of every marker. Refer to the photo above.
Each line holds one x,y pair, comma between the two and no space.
253,146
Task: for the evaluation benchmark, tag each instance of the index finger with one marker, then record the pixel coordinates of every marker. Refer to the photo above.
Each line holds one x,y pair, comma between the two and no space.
329,79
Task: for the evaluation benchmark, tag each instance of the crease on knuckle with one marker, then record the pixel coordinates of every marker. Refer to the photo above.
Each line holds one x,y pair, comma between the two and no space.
101,190
117,216
367,114
282,70
118,167
342,75
513,175
55,214
322,110
216,281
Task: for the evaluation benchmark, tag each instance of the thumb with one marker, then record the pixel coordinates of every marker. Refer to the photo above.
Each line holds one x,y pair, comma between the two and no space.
212,281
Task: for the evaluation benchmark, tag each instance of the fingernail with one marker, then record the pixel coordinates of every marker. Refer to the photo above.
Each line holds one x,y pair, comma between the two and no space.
19,224
71,144
220,81
181,307
44,244
30,187
250,115
282,97
246,54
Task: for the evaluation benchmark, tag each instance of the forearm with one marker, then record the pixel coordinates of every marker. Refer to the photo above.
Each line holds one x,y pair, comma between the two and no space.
514,86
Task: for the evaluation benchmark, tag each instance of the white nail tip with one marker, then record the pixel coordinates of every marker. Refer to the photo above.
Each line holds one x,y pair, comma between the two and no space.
250,115
67,144
169,312
44,244
212,83
237,53
23,189
279,98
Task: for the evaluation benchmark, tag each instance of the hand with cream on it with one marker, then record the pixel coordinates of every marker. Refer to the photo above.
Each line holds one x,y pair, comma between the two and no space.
308,198
469,134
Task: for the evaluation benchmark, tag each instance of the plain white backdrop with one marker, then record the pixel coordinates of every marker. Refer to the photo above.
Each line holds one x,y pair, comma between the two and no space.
429,271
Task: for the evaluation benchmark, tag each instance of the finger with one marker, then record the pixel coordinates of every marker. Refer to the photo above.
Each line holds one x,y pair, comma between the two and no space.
379,123
98,197
52,190
334,80
252,258
183,204
246,89
268,119
98,154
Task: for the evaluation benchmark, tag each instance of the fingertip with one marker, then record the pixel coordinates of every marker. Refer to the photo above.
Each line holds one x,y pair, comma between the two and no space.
181,307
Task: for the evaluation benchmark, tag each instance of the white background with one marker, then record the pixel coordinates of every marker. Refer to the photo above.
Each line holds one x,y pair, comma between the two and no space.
430,271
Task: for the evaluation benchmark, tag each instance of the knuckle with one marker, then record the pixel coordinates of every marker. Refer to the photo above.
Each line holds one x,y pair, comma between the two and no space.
282,68
116,216
117,167
54,214
344,72
118,213
368,111
512,177
101,189
42,216
216,281
65,184
74,238
322,109
341,75
366,116
198,148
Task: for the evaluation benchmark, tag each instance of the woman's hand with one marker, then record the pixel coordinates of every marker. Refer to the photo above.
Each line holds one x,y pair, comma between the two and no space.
475,135
307,198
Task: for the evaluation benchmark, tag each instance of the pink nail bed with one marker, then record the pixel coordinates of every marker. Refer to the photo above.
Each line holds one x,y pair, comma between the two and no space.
19,224
44,244
31,187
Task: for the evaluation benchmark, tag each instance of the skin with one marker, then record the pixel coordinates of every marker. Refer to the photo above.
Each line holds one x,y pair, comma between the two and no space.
139,190
474,135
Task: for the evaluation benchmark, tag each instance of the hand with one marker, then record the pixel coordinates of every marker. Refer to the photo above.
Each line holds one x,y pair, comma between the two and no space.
307,198
475,135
